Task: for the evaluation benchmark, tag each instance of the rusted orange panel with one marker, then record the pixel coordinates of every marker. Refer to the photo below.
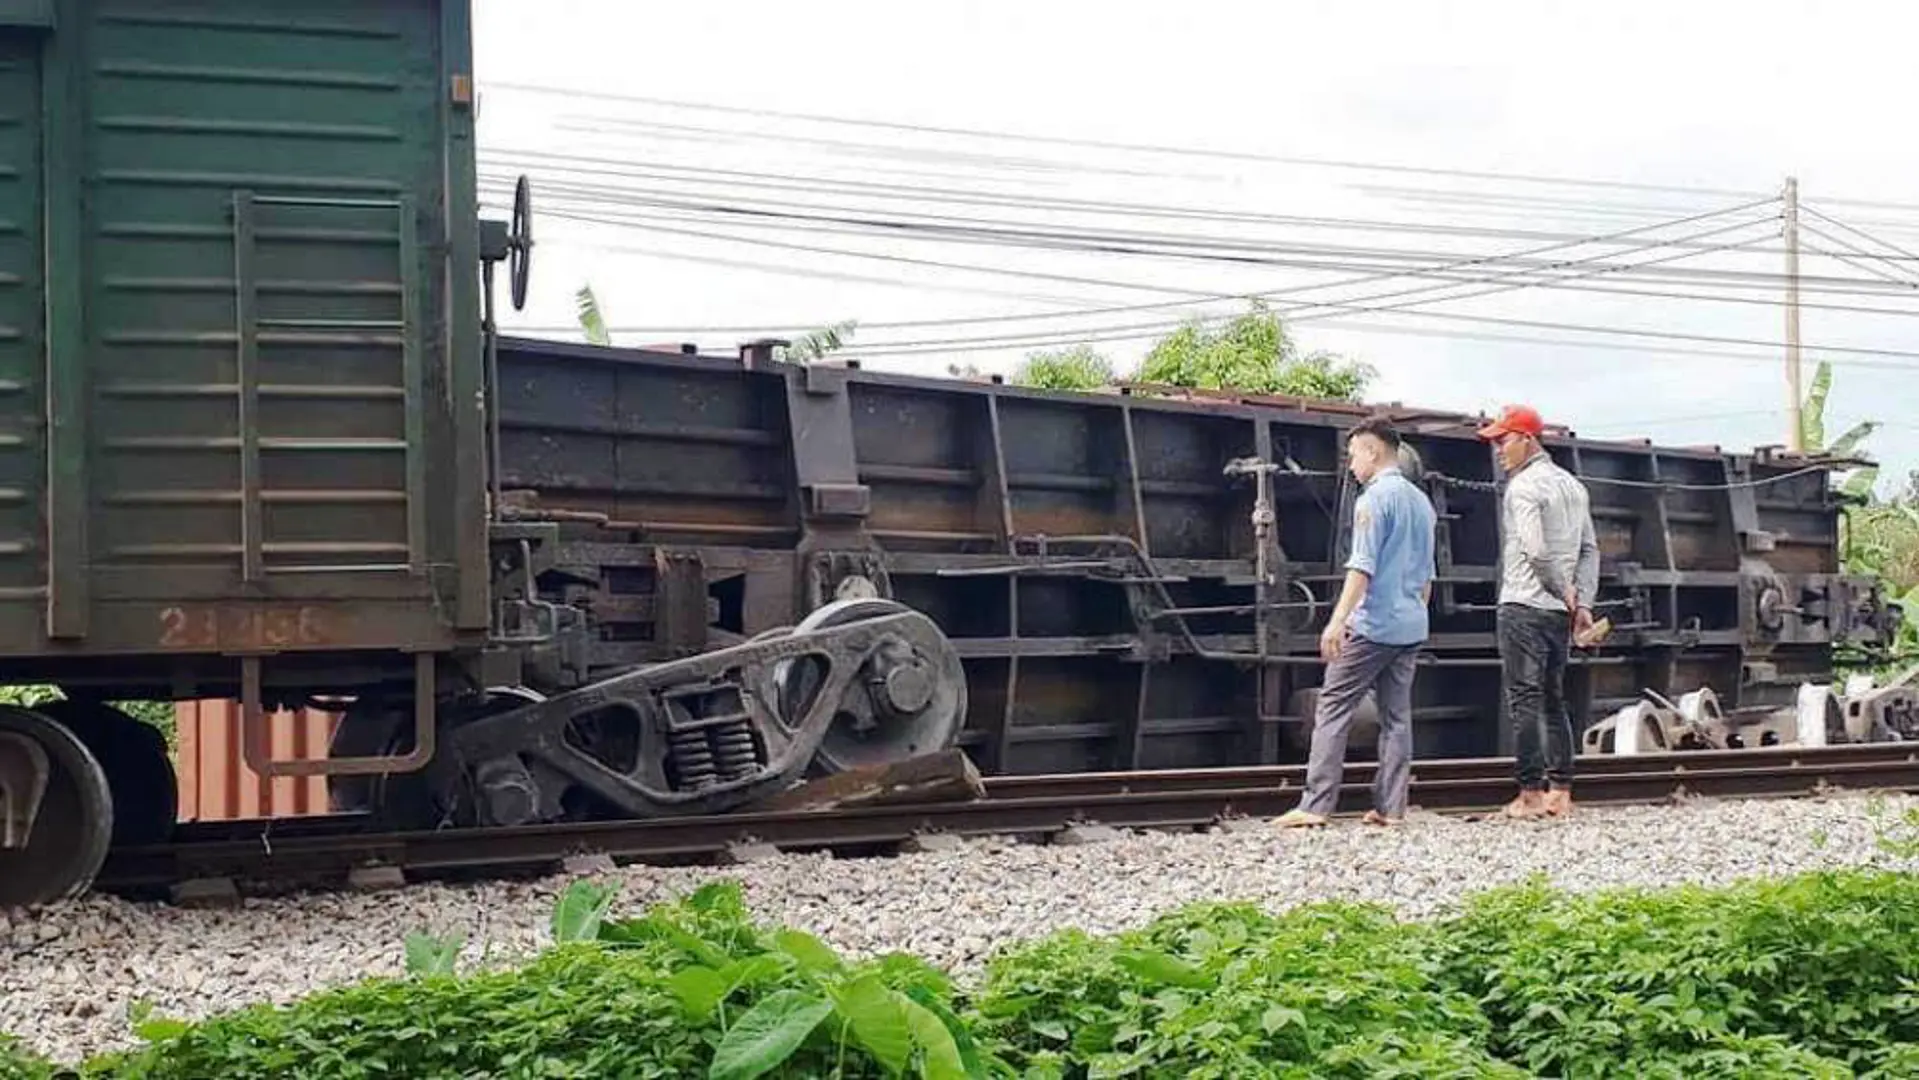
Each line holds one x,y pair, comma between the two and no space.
215,782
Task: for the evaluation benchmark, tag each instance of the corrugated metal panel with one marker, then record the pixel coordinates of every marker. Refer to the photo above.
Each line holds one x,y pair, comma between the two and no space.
215,783
23,465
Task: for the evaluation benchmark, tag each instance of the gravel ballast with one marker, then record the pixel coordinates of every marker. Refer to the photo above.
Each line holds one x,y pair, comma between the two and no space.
68,975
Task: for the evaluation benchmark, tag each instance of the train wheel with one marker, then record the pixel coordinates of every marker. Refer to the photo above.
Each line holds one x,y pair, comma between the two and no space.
146,791
47,774
908,699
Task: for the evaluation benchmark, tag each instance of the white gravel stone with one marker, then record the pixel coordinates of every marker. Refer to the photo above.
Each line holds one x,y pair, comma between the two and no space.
69,974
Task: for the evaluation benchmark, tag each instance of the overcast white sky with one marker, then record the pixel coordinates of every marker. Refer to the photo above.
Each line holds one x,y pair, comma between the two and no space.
1728,96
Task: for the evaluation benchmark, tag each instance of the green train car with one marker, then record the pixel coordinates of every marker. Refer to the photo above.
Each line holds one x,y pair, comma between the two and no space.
244,428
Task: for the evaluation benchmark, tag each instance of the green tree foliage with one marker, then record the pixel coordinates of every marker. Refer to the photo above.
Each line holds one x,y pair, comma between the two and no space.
1078,368
1253,353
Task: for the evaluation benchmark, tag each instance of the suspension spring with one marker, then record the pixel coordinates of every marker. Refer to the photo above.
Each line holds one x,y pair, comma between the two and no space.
692,758
735,752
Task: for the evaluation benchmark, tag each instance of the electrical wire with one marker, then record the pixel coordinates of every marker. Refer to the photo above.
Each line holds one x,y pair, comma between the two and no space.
1352,307
1735,485
1102,144
790,270
1823,235
1141,331
1830,220
1377,275
1457,280
625,168
1658,421
1000,232
1716,277
1153,329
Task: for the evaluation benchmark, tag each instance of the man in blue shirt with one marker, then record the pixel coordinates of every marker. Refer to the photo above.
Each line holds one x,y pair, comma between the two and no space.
1373,637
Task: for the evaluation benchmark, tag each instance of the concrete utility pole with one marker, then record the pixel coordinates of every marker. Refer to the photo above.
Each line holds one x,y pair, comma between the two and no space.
1795,435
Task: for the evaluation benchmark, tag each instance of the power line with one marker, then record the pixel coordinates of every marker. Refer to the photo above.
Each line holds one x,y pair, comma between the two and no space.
1125,147
1732,486
1719,277
1867,267
1493,320
1656,421
625,168
792,270
1027,234
1829,219
1900,274
1157,328
1314,287
637,219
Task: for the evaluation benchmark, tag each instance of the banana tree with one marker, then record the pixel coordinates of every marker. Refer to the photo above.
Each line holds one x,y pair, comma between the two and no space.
592,322
816,344
1812,433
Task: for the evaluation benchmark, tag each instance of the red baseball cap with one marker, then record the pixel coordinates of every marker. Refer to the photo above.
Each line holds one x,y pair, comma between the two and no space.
1515,420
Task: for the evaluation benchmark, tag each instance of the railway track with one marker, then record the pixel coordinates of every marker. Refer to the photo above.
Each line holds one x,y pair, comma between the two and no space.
326,851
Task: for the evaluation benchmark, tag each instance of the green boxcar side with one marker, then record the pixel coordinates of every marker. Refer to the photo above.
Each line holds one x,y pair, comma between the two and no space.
239,339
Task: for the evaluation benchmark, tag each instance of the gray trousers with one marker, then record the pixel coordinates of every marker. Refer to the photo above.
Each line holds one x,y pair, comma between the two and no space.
1387,671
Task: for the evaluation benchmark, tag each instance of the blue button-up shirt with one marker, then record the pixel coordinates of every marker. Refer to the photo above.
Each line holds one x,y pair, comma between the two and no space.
1393,546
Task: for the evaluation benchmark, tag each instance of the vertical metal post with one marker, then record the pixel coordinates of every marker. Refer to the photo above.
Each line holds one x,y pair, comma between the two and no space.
413,367
1795,435
492,377
247,330
63,125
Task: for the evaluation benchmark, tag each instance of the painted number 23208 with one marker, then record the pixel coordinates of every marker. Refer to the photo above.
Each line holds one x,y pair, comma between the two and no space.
210,627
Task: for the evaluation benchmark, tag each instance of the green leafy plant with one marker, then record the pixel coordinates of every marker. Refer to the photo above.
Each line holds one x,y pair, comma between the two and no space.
1254,353
19,1063
801,998
816,344
586,308
1633,981
429,954
158,715
581,909
1078,368
1226,990
1811,976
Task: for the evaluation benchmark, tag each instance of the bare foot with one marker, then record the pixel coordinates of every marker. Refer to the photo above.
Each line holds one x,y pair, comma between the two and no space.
1374,817
1559,802
1529,804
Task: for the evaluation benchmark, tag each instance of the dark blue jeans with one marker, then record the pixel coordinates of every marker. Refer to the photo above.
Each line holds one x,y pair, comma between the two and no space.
1533,647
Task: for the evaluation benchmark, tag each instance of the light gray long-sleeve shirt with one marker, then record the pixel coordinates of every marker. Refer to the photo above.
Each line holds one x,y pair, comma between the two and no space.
1549,539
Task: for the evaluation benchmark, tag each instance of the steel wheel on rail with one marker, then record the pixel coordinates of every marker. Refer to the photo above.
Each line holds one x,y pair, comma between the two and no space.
908,699
146,791
56,811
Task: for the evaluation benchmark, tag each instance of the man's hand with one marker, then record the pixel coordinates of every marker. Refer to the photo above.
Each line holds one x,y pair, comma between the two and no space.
1571,600
1332,639
1582,620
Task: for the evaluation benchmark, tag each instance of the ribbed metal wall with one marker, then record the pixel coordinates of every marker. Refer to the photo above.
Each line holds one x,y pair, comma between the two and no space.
215,783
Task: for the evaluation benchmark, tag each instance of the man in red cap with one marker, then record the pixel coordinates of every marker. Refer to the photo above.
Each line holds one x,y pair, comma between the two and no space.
1549,573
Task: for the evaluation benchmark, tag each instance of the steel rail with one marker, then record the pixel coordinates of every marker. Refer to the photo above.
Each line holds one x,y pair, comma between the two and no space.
1014,805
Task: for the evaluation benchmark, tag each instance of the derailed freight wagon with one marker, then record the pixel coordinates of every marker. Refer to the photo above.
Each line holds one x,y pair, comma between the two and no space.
244,449
1095,557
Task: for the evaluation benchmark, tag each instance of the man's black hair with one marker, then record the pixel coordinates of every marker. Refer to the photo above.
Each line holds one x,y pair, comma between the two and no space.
1379,428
